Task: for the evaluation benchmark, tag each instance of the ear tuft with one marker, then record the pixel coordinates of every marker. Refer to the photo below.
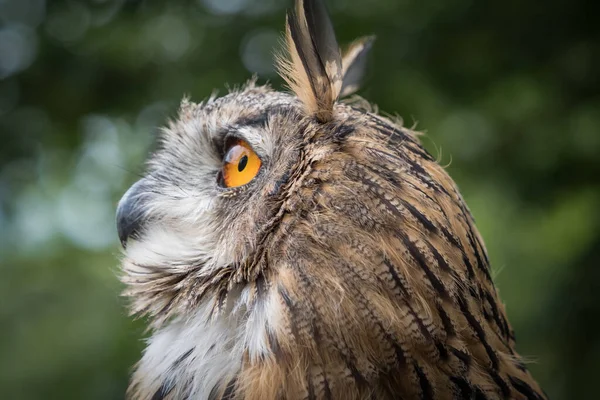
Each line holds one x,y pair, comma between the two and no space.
354,64
314,67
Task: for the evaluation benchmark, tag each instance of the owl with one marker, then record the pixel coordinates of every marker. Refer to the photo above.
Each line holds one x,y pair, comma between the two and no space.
292,245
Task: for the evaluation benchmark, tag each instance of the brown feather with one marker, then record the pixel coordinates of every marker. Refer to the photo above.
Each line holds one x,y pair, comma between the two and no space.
314,67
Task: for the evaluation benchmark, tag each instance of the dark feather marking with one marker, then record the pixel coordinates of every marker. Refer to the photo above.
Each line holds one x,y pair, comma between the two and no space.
512,335
387,174
420,151
524,388
464,387
442,350
426,388
259,120
165,309
274,344
394,209
342,132
479,332
440,260
163,391
424,331
221,299
500,320
486,314
291,307
384,157
326,388
182,358
420,259
462,356
413,167
173,282
396,135
448,326
311,386
470,271
417,170
261,287
501,383
475,291
420,217
521,365
214,392
422,175
428,197
451,238
376,190
229,392
482,248
385,384
360,380
395,277
479,395
483,267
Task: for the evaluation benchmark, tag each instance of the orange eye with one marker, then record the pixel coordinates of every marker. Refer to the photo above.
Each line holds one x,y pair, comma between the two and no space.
240,164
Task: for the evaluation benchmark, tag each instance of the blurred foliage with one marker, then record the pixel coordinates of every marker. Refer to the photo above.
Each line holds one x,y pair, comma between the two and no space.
506,91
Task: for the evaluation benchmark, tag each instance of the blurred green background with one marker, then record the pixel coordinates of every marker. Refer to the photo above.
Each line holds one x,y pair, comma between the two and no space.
507,91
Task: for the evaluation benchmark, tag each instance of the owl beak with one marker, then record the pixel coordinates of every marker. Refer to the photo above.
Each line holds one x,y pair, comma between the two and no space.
131,213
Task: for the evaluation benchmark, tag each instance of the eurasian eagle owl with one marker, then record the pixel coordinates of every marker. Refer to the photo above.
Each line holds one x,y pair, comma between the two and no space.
294,246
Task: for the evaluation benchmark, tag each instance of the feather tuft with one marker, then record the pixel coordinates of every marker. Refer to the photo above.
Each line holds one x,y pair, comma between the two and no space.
313,69
354,64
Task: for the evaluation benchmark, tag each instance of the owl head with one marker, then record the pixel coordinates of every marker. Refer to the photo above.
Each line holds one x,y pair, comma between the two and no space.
293,245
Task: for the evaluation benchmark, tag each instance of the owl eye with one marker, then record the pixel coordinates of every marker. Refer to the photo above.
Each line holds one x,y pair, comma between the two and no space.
240,164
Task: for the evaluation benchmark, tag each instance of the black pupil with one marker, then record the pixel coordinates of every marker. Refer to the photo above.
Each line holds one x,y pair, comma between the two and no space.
242,163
